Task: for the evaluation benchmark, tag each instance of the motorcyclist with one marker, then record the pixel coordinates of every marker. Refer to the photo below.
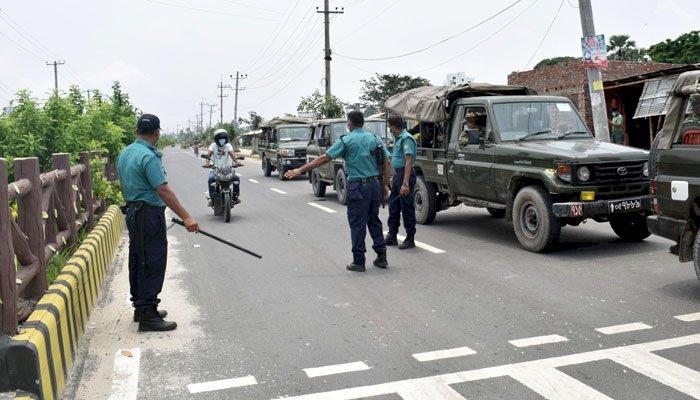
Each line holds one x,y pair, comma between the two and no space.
222,154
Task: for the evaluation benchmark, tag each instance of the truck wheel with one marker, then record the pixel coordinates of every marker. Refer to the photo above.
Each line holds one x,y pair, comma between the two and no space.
696,254
535,225
319,187
341,186
266,167
630,227
425,200
496,212
654,157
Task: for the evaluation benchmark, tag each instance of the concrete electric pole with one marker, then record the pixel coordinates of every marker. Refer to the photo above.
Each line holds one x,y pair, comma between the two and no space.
221,87
201,115
595,78
238,78
327,55
55,71
211,111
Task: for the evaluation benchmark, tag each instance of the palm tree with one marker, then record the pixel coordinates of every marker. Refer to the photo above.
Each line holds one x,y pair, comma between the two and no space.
620,47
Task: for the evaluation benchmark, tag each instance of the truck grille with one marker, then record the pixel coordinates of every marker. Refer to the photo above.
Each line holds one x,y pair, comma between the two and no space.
300,153
618,172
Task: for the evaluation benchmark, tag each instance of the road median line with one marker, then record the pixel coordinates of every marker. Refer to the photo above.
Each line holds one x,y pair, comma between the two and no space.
422,245
612,330
320,207
336,369
222,384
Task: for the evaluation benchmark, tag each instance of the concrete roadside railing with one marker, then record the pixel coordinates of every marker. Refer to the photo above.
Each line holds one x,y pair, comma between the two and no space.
38,359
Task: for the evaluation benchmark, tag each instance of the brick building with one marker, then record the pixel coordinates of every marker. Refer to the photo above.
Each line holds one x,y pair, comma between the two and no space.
569,79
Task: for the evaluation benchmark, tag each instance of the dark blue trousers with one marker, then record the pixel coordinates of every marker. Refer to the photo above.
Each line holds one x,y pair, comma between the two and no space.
402,206
364,200
148,253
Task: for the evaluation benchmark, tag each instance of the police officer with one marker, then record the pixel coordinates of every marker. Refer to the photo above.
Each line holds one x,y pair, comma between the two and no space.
365,192
147,192
403,182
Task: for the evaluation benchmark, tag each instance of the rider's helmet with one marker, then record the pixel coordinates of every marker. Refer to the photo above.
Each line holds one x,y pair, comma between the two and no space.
221,137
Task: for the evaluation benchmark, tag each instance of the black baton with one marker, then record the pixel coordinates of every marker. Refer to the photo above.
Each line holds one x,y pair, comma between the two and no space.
179,222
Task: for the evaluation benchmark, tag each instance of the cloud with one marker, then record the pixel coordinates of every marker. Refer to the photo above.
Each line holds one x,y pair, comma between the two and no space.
671,6
117,70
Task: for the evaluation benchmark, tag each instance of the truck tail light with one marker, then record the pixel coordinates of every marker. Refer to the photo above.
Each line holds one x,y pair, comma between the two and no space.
692,137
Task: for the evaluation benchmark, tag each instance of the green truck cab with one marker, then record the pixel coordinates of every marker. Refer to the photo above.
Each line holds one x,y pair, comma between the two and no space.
527,158
675,161
282,145
323,134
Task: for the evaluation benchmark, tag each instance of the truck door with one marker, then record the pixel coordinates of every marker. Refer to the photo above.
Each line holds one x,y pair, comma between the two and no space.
324,140
471,170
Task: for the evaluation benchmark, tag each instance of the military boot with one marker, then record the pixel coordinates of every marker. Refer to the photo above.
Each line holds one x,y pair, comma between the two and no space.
355,267
139,312
152,322
380,261
408,243
391,239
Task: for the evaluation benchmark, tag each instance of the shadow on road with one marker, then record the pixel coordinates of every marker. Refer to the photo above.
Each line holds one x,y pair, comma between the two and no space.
688,290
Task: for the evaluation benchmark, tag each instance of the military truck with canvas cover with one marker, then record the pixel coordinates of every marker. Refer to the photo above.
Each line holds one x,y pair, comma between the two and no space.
675,160
521,156
282,144
324,133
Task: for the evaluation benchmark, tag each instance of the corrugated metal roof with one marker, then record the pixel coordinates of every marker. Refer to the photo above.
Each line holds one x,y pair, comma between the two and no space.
655,97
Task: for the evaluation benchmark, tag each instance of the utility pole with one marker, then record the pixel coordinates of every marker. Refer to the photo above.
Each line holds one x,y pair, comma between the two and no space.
201,116
221,99
55,71
239,77
595,78
88,95
211,111
327,24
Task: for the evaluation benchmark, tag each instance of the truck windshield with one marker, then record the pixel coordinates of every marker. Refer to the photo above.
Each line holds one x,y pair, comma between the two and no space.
376,127
293,134
539,120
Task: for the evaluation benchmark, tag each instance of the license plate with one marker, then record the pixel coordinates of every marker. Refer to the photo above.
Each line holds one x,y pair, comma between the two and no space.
625,206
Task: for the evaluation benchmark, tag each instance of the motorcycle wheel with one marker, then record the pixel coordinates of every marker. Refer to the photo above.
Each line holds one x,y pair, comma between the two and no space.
227,207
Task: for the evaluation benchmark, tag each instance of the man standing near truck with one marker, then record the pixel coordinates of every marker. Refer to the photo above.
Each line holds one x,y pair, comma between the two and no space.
403,183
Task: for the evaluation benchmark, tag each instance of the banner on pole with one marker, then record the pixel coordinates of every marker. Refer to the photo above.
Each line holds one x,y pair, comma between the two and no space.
595,52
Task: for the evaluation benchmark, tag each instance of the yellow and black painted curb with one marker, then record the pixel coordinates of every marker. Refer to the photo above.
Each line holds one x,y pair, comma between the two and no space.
40,357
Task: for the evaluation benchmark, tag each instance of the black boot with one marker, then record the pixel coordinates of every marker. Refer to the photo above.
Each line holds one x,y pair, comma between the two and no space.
138,313
391,240
409,243
152,322
380,261
355,267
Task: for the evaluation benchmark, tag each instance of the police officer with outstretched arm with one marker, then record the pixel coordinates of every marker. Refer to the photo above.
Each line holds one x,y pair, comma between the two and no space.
361,151
403,182
147,192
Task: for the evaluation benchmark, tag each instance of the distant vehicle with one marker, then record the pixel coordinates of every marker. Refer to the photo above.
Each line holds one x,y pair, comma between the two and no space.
675,167
324,134
282,145
224,197
527,158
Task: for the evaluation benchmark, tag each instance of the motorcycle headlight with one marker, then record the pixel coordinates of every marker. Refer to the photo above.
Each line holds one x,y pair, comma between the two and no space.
645,169
583,174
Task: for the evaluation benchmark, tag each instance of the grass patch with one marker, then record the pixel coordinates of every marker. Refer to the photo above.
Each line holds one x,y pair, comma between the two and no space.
58,261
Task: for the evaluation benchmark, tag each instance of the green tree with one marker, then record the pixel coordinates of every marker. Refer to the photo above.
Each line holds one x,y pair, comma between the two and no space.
376,90
61,113
122,113
684,49
75,96
621,47
554,61
26,128
254,120
321,107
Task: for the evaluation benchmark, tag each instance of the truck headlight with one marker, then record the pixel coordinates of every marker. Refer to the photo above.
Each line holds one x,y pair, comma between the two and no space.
645,169
287,153
583,174
564,172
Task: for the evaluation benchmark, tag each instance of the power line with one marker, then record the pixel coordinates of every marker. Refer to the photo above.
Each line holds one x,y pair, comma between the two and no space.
545,34
436,43
369,21
217,12
21,48
255,7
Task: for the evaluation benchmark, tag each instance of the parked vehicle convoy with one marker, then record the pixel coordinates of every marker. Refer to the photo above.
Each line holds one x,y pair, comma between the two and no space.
323,134
527,158
282,144
675,165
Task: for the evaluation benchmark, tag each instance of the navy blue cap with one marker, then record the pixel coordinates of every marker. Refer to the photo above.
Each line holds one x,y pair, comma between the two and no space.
148,123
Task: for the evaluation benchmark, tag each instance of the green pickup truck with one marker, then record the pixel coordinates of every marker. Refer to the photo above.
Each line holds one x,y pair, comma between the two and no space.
282,145
675,167
527,158
324,133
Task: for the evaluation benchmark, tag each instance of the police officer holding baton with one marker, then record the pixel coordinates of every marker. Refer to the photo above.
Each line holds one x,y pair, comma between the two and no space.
361,151
146,191
403,183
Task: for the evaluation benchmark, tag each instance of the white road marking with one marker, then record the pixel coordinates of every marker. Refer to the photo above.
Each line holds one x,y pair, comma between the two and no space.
222,384
336,369
278,191
422,245
125,385
320,207
689,317
252,180
637,357
447,353
538,340
611,330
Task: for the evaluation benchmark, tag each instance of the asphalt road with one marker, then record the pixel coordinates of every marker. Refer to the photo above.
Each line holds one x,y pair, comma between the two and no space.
296,323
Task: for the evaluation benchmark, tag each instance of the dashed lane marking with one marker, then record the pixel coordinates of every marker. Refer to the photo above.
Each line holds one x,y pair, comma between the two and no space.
441,354
125,384
422,245
689,317
252,180
336,369
222,384
541,376
538,340
320,207
612,330
278,191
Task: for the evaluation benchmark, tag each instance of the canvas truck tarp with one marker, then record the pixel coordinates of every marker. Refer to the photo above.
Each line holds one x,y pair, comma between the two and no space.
427,103
688,83
285,120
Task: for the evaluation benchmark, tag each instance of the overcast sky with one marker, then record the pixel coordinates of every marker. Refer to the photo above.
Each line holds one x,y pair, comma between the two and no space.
169,54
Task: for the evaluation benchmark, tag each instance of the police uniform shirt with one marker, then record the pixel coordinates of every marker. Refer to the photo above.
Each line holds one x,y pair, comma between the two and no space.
405,146
140,168
356,148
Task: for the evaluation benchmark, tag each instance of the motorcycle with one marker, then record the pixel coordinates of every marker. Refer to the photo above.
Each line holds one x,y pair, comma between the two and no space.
196,150
224,198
